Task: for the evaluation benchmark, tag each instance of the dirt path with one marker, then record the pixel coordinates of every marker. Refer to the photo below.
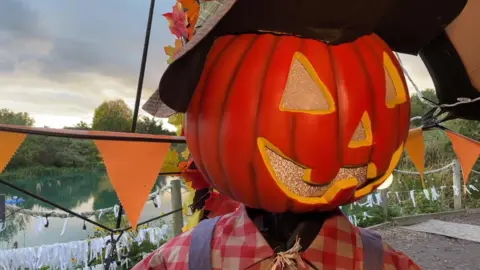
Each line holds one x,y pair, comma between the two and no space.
437,252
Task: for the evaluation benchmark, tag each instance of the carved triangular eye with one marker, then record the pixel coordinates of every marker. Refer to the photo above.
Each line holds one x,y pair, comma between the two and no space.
305,92
363,133
396,92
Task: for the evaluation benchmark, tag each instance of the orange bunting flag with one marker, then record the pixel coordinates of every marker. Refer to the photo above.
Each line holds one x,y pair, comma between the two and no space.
133,168
415,148
467,150
9,143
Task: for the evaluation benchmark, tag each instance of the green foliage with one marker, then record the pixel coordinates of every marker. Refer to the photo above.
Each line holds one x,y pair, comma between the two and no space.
12,118
177,121
147,125
42,155
114,115
52,152
80,126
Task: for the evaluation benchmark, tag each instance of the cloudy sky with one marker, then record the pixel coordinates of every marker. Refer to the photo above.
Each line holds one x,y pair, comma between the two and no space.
61,59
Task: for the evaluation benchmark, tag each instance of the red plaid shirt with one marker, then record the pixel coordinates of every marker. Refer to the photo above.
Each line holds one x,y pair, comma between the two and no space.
238,244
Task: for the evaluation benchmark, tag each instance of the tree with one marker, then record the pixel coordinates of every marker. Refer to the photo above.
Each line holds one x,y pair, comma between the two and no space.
9,117
147,125
80,126
114,115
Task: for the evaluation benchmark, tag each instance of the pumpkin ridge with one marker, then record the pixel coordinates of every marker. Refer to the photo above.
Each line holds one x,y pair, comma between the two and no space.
371,88
259,101
373,47
199,109
233,78
334,66
293,122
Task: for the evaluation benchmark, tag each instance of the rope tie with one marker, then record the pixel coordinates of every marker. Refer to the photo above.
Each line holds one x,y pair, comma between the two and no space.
289,259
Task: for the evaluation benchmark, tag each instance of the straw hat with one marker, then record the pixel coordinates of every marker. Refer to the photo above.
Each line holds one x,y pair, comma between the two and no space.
406,25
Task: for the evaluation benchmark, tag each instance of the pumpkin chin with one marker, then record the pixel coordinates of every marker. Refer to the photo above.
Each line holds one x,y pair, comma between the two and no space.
294,179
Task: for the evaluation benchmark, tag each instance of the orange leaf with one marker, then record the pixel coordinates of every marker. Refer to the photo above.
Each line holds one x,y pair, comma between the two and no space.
174,51
193,12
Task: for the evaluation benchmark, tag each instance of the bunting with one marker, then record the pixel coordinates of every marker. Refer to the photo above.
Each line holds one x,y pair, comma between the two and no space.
415,148
133,161
133,168
467,151
9,143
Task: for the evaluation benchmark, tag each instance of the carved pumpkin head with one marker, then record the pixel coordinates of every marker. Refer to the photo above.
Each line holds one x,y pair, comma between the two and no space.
290,124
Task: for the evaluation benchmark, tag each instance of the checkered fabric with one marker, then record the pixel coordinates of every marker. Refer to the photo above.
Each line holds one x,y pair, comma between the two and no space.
238,244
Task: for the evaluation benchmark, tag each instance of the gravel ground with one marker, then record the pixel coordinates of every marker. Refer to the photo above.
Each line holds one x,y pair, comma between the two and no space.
437,252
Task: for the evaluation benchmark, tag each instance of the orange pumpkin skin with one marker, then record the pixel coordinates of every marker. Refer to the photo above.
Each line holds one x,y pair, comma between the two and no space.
238,102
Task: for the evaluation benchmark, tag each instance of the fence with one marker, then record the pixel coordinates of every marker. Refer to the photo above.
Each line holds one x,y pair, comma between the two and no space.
444,191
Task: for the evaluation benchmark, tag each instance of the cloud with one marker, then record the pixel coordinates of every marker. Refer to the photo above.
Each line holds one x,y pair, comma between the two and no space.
66,57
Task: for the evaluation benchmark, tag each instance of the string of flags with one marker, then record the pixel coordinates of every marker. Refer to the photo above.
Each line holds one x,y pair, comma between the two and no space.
150,152
133,161
466,149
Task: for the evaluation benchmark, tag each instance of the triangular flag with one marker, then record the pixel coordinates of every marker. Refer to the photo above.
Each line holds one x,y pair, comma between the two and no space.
415,148
133,168
467,151
9,143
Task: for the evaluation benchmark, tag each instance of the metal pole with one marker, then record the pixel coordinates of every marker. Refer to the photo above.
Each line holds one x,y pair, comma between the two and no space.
383,195
137,100
177,204
457,184
140,84
142,66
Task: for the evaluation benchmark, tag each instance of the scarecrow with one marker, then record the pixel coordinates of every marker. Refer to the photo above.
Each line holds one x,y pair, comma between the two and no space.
294,108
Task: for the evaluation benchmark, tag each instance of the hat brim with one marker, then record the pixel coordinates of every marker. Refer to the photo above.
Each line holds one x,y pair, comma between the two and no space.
154,105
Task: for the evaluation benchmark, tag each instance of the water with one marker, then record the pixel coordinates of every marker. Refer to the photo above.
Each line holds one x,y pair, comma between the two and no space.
78,192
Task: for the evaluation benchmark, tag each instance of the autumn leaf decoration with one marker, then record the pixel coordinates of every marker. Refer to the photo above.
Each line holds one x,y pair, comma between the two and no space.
181,21
192,9
177,21
193,177
177,121
174,51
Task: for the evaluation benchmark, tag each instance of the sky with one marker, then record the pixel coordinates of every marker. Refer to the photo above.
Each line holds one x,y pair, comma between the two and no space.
59,60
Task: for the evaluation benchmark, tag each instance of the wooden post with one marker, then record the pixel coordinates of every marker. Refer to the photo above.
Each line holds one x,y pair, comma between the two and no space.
457,183
383,195
177,204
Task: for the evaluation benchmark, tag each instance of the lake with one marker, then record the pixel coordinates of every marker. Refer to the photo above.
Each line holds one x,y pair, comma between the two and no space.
79,192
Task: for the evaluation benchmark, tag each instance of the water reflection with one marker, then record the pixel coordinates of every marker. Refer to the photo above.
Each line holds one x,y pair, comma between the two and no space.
79,192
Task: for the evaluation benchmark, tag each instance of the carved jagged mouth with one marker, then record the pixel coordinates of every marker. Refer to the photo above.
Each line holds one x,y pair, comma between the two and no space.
292,175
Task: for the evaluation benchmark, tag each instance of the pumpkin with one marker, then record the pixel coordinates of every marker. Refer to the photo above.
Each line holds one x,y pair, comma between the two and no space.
284,123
